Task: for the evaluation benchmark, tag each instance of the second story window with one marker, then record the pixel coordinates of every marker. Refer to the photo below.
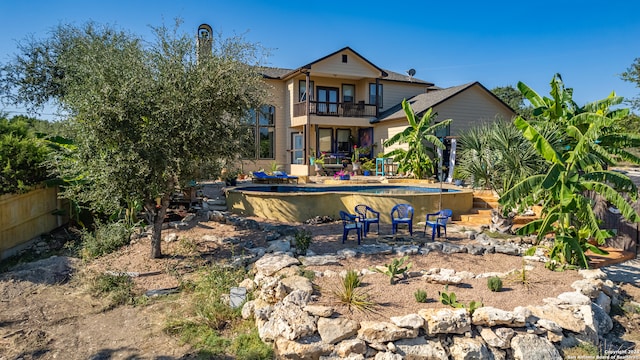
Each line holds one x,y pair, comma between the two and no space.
302,90
373,93
348,93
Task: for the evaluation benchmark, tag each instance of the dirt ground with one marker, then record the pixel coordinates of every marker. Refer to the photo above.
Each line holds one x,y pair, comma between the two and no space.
40,320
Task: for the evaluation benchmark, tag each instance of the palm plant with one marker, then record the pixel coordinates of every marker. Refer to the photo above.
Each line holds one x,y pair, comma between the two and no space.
417,157
576,168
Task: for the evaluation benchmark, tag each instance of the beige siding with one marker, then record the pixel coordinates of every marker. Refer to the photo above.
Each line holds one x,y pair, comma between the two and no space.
470,108
394,92
386,130
354,66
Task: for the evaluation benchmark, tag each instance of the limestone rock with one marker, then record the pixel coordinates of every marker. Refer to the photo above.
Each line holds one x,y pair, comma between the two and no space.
335,330
446,321
563,317
272,263
351,346
420,348
468,348
319,310
499,338
532,347
375,331
288,321
590,288
490,316
385,355
278,246
298,283
310,348
320,260
569,298
411,321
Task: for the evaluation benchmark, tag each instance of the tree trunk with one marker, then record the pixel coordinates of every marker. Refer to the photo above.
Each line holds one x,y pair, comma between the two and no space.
155,215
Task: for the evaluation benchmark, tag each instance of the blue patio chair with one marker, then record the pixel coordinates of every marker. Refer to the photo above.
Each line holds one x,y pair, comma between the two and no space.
402,214
262,177
367,216
285,177
438,222
350,222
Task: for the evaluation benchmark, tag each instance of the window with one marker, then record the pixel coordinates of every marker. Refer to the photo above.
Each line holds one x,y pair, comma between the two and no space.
344,58
297,148
348,93
261,134
325,140
302,90
343,143
372,94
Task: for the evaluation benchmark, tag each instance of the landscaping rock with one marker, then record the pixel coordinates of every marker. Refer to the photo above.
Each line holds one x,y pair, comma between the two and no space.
310,348
420,348
468,348
335,330
272,263
411,321
532,347
378,331
446,321
351,346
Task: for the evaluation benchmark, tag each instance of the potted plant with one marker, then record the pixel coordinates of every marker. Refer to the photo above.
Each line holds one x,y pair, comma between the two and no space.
368,166
457,176
342,175
319,163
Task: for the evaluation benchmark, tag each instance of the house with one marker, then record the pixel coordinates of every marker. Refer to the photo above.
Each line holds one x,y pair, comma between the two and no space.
343,99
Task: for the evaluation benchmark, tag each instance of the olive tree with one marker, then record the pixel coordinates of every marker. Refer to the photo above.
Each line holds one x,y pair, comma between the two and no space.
148,116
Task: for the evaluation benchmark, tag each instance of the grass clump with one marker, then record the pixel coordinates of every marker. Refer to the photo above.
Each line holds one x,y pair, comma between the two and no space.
420,295
494,284
350,293
105,239
117,288
210,325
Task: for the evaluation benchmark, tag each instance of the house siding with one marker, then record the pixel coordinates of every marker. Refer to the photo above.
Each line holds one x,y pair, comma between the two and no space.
393,92
471,108
354,66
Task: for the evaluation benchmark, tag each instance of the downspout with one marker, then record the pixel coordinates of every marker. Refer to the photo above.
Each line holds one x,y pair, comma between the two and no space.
307,128
377,98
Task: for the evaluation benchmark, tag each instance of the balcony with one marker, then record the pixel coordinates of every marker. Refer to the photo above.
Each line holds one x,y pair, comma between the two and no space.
321,108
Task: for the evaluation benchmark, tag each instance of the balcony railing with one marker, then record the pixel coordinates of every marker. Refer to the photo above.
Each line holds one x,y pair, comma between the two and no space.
322,108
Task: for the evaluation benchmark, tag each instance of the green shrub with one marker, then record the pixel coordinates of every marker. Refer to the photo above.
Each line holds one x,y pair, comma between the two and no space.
303,241
494,283
105,239
420,295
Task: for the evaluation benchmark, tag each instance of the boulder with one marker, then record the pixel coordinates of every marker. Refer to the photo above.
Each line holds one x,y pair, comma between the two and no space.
420,348
498,338
335,330
350,347
446,321
310,348
378,331
411,321
533,347
272,263
464,348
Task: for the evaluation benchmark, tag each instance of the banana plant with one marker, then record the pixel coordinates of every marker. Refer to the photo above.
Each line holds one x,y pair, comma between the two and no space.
576,168
418,135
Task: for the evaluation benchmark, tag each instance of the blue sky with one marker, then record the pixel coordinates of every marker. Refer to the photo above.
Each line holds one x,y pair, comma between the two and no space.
447,42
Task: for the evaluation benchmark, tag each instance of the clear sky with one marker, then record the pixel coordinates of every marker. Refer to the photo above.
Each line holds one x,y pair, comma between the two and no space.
447,42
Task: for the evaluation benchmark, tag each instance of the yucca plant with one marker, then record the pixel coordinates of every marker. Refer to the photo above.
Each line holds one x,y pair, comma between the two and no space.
350,293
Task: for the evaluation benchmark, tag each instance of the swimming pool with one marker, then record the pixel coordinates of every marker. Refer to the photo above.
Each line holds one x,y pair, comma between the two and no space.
297,203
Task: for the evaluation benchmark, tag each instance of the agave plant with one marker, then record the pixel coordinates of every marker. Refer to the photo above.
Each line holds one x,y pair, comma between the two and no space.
576,169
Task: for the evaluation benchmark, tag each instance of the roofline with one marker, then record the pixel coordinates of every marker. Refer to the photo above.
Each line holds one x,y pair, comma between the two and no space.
307,67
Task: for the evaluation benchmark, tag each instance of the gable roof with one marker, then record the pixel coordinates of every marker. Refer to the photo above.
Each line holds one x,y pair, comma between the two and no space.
422,102
282,73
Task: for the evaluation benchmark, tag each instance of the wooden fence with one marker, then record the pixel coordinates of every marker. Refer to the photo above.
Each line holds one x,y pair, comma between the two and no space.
627,232
26,216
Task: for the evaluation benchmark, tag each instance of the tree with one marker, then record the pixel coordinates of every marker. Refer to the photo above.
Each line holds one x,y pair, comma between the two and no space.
418,135
632,74
514,98
576,169
149,117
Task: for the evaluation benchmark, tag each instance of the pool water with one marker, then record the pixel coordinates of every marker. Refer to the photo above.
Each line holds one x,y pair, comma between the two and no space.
371,189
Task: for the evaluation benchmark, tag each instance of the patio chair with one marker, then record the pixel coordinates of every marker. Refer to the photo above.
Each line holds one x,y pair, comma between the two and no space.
367,216
438,222
285,177
350,222
262,177
402,214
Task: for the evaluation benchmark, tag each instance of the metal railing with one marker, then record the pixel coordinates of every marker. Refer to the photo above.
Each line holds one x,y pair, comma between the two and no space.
323,108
